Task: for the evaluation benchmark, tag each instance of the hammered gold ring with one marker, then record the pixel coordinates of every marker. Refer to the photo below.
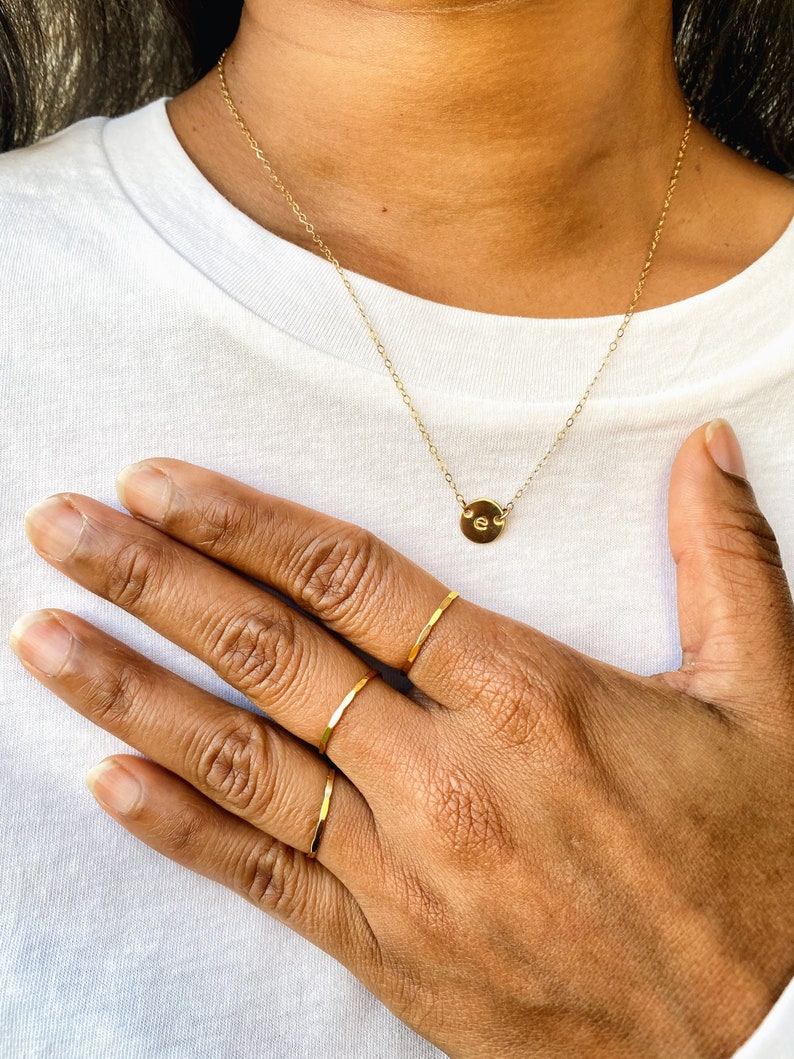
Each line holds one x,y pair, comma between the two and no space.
423,635
337,717
318,831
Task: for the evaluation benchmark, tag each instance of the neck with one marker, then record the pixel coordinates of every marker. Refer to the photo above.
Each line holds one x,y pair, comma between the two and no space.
460,151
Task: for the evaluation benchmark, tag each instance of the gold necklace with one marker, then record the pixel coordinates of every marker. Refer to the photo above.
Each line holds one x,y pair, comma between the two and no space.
481,520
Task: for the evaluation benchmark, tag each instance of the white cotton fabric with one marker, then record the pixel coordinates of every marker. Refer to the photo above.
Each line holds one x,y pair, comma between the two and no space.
143,315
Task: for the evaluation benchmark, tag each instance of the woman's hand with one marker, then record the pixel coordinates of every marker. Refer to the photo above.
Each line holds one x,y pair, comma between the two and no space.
533,853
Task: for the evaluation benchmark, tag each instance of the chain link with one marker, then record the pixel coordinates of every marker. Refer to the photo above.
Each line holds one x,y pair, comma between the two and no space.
373,334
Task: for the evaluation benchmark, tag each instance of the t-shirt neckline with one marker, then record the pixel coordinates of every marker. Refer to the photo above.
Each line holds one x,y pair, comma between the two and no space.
436,346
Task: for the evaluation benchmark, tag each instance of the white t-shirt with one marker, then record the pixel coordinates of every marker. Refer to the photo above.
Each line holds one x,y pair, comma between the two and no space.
143,315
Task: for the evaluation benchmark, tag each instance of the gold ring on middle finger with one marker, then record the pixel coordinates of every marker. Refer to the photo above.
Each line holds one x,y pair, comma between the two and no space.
322,746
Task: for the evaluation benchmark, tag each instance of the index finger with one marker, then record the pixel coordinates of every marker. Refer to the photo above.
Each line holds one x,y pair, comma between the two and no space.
357,585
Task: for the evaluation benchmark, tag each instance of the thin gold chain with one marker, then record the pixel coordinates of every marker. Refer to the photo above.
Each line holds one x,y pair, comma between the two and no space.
373,334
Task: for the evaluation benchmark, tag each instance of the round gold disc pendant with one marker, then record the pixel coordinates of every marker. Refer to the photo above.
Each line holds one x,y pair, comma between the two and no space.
482,521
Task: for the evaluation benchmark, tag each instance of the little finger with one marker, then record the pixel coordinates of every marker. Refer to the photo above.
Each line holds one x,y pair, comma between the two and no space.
172,817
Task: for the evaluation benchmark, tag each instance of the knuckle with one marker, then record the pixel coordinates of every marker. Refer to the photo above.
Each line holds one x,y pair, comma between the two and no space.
227,527
112,694
256,653
518,692
333,573
514,712
135,568
271,876
465,816
236,763
520,703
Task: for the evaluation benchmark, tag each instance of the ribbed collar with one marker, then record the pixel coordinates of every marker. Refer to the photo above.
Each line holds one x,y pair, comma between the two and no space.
438,347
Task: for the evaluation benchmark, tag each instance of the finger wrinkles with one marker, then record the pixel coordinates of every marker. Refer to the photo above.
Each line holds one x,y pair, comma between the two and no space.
750,537
236,758
136,571
334,576
238,763
260,656
118,697
228,528
739,529
744,556
273,877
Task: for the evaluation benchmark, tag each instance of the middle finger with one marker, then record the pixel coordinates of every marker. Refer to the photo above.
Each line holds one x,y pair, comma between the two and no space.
283,662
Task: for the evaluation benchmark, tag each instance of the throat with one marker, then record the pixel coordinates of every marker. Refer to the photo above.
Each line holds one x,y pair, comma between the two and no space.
508,158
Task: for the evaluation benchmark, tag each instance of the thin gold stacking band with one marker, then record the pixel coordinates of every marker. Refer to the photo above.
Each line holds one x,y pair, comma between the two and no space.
423,635
322,746
318,831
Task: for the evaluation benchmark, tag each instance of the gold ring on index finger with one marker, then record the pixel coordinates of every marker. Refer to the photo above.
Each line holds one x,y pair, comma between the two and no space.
413,654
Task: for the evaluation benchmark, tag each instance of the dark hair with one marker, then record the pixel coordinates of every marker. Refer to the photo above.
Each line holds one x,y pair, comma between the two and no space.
59,63
63,62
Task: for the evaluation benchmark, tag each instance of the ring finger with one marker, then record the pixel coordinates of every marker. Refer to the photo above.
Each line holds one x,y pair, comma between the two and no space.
242,762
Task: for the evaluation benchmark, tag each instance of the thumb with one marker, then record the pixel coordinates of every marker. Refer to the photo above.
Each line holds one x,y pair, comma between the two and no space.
734,604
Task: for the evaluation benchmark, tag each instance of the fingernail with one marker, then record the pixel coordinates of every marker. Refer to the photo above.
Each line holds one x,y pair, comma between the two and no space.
113,786
54,527
145,491
724,447
42,641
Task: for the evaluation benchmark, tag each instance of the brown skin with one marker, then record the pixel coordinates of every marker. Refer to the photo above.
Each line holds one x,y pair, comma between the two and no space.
535,853
526,143
538,854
